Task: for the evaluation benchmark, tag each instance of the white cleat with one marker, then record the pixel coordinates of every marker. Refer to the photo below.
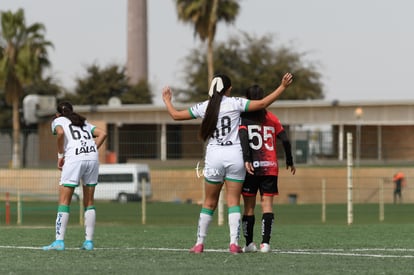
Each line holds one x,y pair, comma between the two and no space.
250,248
264,247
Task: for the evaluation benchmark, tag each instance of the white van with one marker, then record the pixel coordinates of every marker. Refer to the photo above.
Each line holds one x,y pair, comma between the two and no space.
122,182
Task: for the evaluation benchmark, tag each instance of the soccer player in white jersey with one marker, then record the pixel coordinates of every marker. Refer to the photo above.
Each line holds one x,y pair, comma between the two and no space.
223,159
77,144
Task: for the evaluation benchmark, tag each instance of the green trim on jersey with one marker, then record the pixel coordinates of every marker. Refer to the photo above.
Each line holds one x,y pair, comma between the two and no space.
247,105
191,113
234,209
54,129
93,129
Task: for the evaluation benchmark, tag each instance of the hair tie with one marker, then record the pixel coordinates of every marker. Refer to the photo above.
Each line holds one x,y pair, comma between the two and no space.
216,86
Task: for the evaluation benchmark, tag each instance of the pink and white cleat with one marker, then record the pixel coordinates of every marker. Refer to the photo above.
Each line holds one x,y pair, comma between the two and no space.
235,249
197,249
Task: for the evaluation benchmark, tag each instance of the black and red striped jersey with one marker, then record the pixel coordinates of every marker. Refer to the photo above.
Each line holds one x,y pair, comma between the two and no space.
259,143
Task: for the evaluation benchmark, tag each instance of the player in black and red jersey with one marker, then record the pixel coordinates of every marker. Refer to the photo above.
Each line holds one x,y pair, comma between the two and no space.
258,132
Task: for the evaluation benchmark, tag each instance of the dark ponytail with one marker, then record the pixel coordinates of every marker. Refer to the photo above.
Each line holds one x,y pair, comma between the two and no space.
218,87
209,123
65,109
255,92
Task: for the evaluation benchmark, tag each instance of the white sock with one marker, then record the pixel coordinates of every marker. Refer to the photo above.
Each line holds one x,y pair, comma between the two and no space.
62,219
203,223
234,225
90,219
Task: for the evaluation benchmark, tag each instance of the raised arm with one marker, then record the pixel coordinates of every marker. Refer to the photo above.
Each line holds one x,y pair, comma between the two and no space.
174,113
269,99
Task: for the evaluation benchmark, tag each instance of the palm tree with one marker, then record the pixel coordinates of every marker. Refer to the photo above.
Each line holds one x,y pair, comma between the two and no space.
204,15
23,56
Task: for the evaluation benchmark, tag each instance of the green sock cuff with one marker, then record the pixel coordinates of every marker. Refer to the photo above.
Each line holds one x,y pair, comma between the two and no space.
64,208
207,211
234,209
91,207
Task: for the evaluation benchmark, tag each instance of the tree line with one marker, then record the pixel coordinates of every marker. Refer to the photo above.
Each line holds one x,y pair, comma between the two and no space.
245,58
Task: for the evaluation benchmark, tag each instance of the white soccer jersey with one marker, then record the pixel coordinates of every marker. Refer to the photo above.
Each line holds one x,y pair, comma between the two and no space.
79,142
228,119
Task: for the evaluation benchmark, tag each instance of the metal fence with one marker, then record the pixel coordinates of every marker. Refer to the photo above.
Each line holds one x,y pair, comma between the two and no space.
315,153
312,146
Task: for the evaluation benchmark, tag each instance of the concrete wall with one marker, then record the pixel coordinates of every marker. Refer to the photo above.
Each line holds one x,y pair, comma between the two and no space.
177,184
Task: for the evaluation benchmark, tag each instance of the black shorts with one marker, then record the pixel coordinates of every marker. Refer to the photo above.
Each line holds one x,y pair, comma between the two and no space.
267,186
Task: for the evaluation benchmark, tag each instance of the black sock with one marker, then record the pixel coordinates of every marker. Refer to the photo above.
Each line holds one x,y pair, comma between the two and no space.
267,223
248,225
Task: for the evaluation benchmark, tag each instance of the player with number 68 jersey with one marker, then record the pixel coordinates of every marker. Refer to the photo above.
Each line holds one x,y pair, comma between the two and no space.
226,132
223,157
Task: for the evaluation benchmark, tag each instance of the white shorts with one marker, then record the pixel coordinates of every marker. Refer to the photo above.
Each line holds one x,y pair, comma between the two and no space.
224,163
85,170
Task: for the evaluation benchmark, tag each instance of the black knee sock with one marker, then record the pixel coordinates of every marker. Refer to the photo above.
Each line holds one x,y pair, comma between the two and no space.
248,225
267,223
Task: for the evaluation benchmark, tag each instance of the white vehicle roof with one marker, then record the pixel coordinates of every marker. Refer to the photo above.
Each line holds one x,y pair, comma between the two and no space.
123,167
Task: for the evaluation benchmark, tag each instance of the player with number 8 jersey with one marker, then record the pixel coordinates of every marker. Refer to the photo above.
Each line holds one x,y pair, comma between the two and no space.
226,132
223,158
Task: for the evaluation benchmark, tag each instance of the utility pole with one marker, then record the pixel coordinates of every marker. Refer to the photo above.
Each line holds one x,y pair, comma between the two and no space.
137,41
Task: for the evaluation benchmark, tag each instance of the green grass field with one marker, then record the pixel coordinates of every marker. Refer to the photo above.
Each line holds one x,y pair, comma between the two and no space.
301,243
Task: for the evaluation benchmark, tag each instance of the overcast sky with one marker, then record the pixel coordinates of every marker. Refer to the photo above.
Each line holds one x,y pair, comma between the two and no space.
365,48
